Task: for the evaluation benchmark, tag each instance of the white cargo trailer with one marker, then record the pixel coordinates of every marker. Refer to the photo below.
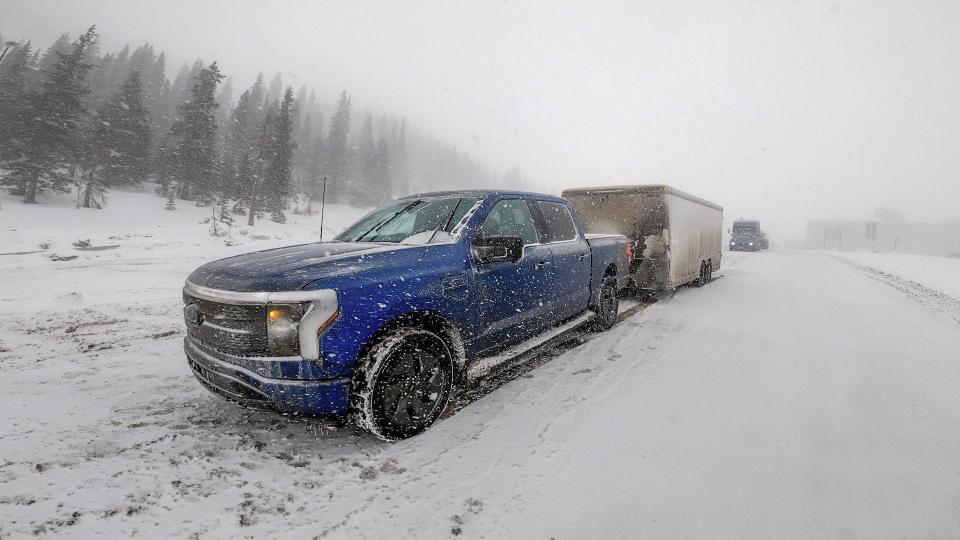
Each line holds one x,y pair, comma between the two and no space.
676,236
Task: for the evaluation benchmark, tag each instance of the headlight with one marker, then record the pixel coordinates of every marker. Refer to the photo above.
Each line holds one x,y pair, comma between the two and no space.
751,243
283,335
295,328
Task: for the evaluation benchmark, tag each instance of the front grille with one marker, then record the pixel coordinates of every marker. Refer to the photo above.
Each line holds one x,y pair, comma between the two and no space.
237,329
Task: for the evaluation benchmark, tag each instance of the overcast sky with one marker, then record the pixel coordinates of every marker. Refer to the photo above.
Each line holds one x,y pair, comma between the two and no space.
777,110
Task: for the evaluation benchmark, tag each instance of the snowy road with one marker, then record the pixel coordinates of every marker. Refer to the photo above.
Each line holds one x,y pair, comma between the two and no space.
799,395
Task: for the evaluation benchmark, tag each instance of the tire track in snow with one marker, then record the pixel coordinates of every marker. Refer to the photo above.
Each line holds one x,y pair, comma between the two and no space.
919,293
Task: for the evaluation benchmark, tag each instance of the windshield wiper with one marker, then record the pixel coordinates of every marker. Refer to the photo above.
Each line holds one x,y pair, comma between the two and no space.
445,223
387,219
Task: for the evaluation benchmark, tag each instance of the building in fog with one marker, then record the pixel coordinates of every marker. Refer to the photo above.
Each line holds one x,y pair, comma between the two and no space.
900,236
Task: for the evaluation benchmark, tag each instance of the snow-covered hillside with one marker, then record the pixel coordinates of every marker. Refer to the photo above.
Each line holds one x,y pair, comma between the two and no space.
798,395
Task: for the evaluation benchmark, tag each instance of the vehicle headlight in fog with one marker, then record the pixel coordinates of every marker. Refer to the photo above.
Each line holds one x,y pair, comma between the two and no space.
283,336
751,243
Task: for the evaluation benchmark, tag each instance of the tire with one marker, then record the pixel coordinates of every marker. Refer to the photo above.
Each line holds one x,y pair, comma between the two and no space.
709,271
608,305
403,384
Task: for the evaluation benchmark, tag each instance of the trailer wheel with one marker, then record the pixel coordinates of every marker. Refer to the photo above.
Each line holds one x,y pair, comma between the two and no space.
608,305
403,385
702,278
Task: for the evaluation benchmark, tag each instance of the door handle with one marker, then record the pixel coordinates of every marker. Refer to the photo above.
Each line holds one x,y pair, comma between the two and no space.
581,256
541,264
452,283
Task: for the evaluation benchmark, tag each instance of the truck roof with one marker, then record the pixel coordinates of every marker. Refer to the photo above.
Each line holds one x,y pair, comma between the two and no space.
640,188
483,193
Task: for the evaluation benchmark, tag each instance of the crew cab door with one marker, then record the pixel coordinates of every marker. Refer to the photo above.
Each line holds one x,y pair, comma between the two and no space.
512,296
570,251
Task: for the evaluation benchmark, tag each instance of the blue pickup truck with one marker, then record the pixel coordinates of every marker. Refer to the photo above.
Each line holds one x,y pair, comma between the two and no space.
384,322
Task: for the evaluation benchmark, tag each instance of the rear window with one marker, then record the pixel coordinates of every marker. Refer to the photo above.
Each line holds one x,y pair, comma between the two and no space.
557,221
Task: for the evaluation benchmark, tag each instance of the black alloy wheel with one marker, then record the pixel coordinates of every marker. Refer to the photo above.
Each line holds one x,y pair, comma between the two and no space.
407,386
608,305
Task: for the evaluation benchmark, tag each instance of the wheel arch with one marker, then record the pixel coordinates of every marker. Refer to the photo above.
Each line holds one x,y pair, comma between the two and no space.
428,320
609,272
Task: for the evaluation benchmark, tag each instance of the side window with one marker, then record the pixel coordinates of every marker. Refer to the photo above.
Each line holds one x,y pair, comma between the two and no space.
510,218
558,221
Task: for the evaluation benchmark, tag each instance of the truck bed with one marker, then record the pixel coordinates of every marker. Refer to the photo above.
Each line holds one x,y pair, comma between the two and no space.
603,249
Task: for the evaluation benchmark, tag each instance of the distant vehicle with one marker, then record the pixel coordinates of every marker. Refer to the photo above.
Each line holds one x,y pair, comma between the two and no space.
676,236
387,319
746,235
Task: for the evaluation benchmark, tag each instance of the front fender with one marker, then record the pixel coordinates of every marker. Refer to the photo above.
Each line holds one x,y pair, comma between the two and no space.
369,302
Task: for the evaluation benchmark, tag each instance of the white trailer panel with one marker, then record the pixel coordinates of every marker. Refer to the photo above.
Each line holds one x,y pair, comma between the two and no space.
695,236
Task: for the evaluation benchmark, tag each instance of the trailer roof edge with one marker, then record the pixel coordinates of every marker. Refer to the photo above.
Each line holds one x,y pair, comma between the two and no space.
641,188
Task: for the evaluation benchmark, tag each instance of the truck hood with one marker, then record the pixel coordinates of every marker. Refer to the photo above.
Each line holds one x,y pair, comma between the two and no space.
292,268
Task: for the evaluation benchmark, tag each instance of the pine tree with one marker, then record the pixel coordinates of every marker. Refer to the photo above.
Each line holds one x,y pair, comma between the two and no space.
16,107
314,170
196,132
301,101
273,91
163,165
257,110
237,172
304,139
399,167
383,181
53,131
50,58
120,150
224,99
281,163
241,182
368,153
264,149
337,158
105,80
158,95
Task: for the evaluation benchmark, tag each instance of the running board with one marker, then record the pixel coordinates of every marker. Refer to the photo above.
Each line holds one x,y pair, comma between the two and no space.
482,366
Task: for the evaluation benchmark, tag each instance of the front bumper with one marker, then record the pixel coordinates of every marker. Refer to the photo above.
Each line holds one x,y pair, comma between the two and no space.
230,381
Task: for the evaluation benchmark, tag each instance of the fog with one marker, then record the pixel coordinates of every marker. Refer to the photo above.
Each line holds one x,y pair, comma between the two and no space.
783,112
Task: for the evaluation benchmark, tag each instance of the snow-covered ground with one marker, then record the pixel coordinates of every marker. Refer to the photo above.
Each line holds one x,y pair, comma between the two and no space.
939,273
798,395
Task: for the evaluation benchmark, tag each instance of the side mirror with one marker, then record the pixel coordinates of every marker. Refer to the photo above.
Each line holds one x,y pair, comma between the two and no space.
728,231
492,249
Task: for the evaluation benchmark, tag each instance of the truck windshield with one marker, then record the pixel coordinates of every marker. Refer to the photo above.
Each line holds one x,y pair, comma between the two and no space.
417,221
745,228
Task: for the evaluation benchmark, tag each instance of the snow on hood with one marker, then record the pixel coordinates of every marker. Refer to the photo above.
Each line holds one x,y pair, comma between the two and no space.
293,267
